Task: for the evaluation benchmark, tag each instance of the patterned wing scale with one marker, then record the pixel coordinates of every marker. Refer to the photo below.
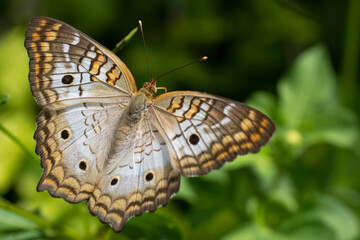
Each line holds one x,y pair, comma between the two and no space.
68,67
72,145
204,131
146,182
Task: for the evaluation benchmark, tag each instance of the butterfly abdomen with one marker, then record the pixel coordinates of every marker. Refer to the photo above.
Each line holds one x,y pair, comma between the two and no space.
127,128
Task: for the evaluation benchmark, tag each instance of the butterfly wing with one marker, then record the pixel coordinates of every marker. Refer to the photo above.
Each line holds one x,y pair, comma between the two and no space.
84,89
73,145
68,67
143,181
203,131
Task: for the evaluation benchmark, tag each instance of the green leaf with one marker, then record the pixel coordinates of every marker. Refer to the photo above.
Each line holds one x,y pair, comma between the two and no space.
23,235
152,225
285,193
261,163
10,221
13,217
311,229
330,212
254,232
212,223
308,88
16,220
186,191
309,104
337,127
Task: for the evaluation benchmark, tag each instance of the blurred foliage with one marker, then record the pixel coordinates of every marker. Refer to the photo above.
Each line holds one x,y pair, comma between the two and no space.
4,98
296,61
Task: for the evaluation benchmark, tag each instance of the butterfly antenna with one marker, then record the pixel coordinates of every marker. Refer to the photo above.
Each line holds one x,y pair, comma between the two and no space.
196,61
147,58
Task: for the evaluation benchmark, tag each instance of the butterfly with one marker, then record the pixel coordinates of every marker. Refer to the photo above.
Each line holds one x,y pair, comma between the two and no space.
102,140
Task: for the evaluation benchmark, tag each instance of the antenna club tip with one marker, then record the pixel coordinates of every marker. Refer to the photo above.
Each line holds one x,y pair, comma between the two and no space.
140,23
204,58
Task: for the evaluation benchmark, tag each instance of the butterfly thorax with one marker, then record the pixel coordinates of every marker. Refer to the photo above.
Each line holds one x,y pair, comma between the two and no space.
138,103
140,100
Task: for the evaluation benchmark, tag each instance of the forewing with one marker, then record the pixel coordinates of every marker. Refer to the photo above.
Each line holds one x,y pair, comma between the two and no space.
68,67
203,131
146,182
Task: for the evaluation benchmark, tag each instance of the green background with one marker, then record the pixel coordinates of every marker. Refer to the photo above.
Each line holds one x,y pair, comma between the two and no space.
297,61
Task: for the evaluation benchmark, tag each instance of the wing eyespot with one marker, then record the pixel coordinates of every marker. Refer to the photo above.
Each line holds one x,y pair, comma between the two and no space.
114,181
194,139
83,165
67,79
149,176
65,134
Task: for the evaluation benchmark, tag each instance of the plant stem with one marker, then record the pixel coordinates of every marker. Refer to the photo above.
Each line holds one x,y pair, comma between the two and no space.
124,41
17,141
40,222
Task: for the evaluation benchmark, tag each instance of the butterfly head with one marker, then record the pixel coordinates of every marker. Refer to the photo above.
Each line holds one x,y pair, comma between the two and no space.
150,87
